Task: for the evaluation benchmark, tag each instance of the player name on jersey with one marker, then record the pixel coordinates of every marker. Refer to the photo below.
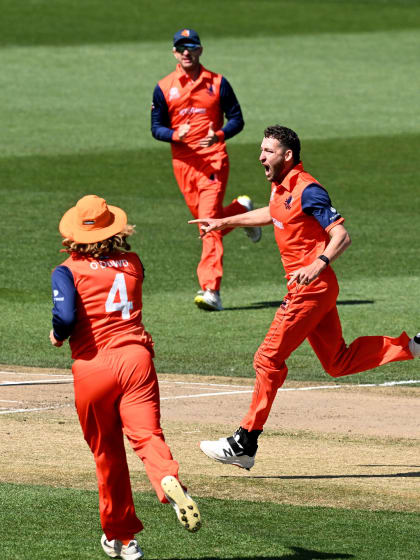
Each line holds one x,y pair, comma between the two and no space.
95,265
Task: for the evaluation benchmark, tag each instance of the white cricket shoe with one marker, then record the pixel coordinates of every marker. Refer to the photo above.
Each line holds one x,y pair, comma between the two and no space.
185,508
414,346
116,549
254,233
229,451
209,300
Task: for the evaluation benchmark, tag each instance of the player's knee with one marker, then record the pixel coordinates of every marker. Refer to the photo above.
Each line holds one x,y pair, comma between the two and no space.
269,369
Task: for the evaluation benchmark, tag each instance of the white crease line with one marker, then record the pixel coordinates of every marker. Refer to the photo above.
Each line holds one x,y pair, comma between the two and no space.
27,373
205,395
197,383
5,400
16,410
321,387
37,382
388,383
346,385
314,388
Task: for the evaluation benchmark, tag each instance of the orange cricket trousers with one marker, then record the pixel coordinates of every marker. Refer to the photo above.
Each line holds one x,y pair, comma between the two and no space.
310,312
116,393
203,185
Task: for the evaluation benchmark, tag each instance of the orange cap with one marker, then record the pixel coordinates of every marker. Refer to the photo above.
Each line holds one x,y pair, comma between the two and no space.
92,220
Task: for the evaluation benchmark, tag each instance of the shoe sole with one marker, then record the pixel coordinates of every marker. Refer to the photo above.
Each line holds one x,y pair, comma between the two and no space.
135,556
244,462
185,507
202,304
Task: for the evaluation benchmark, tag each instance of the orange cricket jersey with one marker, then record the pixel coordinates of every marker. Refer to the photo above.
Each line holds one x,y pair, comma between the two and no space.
108,302
196,103
301,237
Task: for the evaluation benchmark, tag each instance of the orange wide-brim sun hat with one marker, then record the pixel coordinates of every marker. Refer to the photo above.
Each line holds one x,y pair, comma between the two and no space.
92,220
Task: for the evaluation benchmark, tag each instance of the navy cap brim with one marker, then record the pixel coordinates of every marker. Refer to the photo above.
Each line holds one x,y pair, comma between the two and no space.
186,44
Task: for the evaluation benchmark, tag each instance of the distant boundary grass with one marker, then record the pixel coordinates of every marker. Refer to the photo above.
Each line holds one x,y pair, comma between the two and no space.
44,523
71,22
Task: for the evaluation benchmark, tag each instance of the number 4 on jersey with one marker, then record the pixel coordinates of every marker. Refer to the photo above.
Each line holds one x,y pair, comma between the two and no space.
123,305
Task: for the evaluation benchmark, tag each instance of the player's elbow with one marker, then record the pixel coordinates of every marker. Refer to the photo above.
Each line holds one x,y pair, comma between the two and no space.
241,124
347,240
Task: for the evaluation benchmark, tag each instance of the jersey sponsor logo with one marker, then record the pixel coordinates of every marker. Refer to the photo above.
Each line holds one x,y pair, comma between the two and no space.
55,296
273,192
96,265
277,223
335,216
288,202
192,110
173,93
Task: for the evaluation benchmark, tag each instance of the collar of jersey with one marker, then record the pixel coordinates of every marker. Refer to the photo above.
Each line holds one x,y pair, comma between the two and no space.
289,182
183,76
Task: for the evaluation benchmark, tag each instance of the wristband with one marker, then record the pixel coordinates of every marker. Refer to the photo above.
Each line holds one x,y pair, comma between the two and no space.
325,259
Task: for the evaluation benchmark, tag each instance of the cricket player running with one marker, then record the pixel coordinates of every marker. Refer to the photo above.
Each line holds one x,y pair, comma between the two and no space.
310,235
97,295
188,111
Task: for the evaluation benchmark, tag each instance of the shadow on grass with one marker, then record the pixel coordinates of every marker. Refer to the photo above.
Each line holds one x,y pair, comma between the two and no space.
297,553
266,304
332,476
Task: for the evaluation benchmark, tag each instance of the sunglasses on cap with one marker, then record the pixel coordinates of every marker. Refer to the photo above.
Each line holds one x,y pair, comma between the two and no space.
182,48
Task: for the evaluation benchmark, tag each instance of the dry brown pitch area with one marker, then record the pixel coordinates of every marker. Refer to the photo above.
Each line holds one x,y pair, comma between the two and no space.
346,446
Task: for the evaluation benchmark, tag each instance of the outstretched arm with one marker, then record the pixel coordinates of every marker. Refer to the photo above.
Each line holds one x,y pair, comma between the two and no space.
258,217
339,241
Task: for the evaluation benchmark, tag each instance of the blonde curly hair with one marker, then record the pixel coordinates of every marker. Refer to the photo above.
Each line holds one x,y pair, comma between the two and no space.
115,243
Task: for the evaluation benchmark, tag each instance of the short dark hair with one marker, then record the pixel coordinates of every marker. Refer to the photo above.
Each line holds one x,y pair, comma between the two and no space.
286,137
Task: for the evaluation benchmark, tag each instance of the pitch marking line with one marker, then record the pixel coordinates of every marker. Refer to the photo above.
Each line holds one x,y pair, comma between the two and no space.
27,373
183,383
37,382
16,410
247,391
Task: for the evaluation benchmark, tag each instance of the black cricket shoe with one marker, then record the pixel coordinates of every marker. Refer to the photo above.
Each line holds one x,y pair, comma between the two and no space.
239,449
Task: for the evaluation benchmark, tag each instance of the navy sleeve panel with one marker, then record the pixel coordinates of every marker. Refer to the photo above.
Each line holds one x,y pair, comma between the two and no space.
160,117
231,108
64,299
317,203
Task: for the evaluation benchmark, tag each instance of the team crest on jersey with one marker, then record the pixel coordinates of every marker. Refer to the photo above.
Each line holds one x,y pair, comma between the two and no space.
173,93
288,202
210,90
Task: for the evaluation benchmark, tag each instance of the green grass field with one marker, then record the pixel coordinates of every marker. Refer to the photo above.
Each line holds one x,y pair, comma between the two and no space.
56,519
75,93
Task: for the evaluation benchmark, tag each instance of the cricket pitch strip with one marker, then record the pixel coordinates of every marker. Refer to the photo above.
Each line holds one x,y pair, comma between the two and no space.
329,444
